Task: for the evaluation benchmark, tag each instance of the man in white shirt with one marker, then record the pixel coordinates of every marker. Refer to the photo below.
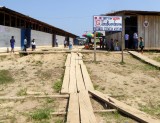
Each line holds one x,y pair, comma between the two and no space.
135,41
25,44
126,40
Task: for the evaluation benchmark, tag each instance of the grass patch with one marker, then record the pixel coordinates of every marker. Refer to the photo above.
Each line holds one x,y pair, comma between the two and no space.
41,114
157,59
49,100
39,63
5,77
59,121
96,87
115,117
152,110
122,63
22,92
57,85
148,67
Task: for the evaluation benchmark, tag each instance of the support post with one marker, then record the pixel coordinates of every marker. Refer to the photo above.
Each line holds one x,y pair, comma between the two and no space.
95,46
122,36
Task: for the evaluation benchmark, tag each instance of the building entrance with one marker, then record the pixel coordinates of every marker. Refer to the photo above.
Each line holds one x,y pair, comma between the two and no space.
131,26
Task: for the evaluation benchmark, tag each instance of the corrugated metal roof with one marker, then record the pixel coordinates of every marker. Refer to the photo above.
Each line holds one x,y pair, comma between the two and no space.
27,17
134,12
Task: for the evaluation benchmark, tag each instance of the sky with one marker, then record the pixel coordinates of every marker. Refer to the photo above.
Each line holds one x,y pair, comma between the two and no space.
75,16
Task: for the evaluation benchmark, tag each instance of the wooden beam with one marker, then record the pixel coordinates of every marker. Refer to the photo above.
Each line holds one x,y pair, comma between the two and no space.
79,77
86,110
73,109
72,75
86,78
104,111
65,84
40,96
95,111
128,110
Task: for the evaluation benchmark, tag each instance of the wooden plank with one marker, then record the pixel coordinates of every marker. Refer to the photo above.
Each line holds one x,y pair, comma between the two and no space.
86,110
145,59
128,110
72,84
73,109
39,96
65,84
86,78
80,82
103,111
68,60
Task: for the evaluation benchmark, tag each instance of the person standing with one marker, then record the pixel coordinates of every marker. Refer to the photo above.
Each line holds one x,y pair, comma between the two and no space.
25,44
141,44
126,40
65,43
70,45
12,43
56,43
33,45
135,40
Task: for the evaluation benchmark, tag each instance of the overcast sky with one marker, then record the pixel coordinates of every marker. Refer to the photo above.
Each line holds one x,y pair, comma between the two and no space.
75,16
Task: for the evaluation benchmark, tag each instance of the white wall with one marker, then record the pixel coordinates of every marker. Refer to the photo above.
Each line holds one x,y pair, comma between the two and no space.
60,39
6,33
41,38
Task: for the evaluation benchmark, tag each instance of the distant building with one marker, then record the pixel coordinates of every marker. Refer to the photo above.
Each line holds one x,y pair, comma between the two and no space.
145,23
18,25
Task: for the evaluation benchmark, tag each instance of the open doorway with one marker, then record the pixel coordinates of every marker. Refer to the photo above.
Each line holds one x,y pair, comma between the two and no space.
131,26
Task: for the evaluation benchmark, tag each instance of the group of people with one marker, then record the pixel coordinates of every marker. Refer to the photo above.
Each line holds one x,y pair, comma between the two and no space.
136,41
12,43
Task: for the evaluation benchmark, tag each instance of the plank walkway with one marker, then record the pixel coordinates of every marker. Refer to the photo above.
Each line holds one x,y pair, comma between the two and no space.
145,59
77,84
126,109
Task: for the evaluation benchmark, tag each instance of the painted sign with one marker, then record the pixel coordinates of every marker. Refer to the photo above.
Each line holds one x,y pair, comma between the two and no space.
145,23
107,23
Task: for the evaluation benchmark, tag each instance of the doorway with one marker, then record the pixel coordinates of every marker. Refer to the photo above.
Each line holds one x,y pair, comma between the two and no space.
131,26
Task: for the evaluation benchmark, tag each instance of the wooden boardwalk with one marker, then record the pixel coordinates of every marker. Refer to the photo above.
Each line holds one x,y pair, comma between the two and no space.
77,84
145,59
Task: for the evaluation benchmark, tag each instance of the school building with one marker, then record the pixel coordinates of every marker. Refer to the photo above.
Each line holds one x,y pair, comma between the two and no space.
145,23
15,24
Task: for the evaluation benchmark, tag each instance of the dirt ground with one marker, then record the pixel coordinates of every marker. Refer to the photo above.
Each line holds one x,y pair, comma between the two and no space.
134,82
33,75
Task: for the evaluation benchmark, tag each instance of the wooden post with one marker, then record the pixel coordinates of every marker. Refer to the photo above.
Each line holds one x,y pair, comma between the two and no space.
95,46
122,36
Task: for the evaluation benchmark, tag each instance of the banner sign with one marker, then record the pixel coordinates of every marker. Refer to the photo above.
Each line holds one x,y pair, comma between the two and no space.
107,23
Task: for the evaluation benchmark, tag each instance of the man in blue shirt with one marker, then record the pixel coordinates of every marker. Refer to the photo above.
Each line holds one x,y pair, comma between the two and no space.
12,42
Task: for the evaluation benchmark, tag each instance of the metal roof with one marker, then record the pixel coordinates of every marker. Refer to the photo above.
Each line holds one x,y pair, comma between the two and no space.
133,12
57,30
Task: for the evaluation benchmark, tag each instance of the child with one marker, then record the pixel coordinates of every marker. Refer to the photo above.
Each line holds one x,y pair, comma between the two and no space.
33,45
141,44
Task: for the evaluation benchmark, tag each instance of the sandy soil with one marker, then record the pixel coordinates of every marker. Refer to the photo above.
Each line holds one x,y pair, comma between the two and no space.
134,83
33,74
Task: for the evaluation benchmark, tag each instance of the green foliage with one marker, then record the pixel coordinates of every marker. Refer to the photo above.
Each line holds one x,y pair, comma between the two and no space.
59,121
41,114
5,77
57,85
